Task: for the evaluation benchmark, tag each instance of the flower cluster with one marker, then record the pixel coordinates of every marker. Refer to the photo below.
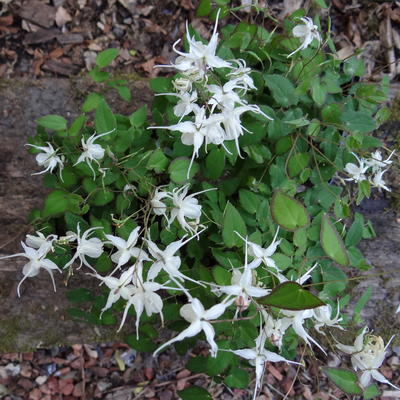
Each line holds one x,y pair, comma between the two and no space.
216,108
367,355
370,169
183,207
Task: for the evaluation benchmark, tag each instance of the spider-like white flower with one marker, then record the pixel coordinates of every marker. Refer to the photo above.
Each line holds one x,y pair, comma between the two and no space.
356,172
195,133
323,317
230,118
367,355
296,319
200,56
41,241
224,96
258,356
275,328
48,159
169,262
186,104
37,260
126,248
86,247
119,287
240,75
92,151
378,182
376,160
198,317
306,32
264,255
158,206
186,207
242,286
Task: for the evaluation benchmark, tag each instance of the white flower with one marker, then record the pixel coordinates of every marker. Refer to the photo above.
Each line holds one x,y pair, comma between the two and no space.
378,182
258,356
46,243
264,255
182,84
186,207
48,159
37,260
159,207
296,319
242,283
119,287
367,355
92,247
240,75
167,260
143,297
91,151
306,33
356,172
398,309
376,161
323,314
275,329
193,133
200,56
224,96
230,118
186,104
126,248
198,317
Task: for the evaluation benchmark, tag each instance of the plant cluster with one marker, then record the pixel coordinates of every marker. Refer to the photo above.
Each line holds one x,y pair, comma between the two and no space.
231,210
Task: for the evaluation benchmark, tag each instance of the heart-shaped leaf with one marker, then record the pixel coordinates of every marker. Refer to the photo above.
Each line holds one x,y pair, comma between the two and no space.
332,243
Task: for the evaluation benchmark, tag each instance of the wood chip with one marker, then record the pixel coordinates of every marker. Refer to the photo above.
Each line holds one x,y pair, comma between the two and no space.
41,36
39,13
62,16
70,38
275,372
61,68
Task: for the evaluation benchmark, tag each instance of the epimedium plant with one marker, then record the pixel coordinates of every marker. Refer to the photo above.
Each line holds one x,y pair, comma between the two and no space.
227,211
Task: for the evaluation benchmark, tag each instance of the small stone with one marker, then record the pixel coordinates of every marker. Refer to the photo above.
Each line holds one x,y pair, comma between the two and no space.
77,390
35,394
40,380
25,383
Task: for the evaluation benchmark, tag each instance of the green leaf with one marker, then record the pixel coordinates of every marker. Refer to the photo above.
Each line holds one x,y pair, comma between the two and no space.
354,234
318,92
81,295
73,220
291,296
204,8
104,119
358,121
288,212
142,344
298,163
332,243
106,57
237,378
370,392
321,3
77,125
157,161
354,66
344,379
101,197
282,90
215,163
139,117
178,170
124,92
233,222
249,201
58,202
91,102
221,276
53,122
194,393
